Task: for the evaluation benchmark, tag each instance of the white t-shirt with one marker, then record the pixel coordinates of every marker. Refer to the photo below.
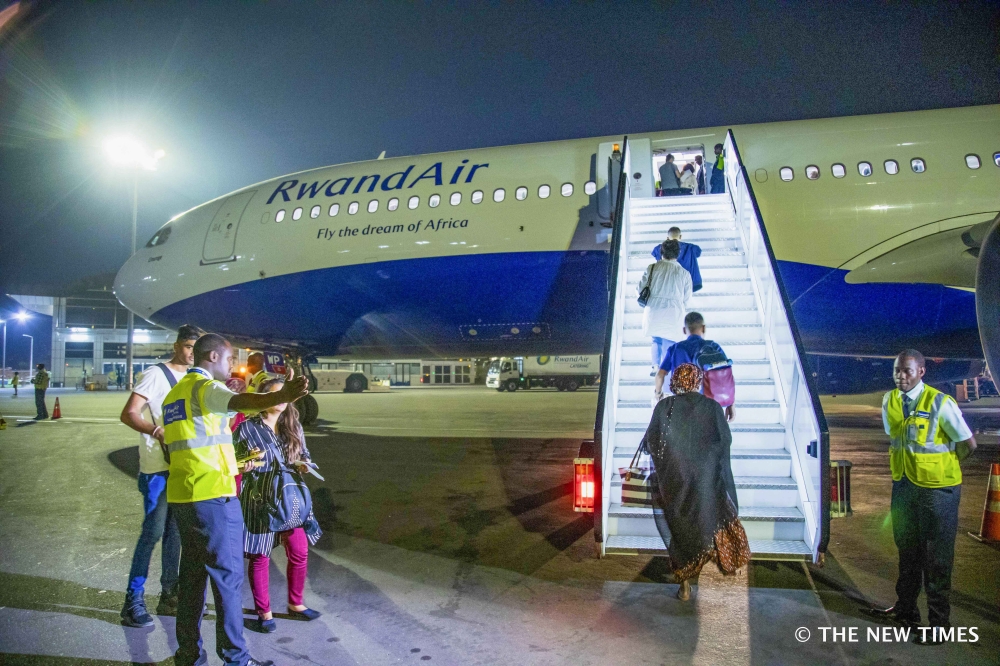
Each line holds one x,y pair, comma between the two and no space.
154,387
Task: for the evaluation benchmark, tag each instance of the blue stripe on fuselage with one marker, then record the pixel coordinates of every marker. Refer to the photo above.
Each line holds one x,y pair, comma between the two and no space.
555,301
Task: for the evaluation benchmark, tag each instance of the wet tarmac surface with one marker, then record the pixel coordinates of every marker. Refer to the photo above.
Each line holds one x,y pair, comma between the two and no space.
450,539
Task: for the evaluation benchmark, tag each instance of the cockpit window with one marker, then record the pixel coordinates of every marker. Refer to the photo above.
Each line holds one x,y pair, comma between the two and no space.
160,237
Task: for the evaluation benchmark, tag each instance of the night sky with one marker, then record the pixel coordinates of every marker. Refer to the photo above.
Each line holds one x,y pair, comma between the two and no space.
240,92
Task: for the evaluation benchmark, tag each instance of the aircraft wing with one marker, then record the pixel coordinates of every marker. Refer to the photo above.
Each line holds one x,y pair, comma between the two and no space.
948,257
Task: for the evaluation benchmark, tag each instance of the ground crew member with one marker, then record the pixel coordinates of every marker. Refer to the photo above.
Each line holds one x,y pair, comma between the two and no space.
41,382
256,372
718,179
15,382
201,491
928,439
158,521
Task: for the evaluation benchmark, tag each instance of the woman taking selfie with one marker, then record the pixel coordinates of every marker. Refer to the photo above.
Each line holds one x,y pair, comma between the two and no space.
276,437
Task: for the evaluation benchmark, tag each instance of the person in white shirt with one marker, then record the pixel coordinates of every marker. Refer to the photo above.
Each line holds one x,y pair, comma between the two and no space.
929,439
158,523
669,293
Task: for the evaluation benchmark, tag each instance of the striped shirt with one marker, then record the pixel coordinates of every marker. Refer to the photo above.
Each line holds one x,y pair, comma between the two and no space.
254,434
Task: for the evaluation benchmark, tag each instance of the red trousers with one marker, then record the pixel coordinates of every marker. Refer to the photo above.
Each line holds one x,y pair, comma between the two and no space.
297,550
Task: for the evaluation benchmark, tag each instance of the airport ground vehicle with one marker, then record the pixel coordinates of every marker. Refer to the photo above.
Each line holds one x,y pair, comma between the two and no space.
566,373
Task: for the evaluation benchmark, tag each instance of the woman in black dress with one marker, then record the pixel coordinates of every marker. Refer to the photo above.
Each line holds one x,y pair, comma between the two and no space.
688,440
278,435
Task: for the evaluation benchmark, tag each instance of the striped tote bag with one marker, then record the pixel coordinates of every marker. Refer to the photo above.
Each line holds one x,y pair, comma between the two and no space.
637,489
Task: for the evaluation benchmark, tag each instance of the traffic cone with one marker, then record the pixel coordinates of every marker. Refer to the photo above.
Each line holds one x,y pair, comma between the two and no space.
56,414
989,532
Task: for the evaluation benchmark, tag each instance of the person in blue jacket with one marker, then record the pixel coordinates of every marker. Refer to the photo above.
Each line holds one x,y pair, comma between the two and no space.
688,257
689,351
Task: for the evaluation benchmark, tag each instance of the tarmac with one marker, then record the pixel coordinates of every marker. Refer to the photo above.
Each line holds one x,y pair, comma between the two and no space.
450,539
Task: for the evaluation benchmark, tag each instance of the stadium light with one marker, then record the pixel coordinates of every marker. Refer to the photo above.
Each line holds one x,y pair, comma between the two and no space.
125,151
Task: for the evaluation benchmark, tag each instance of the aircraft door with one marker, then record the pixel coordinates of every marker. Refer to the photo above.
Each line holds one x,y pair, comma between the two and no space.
642,180
220,240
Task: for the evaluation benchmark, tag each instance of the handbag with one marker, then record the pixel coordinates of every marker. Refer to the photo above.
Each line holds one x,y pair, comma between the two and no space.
637,489
719,383
290,501
644,292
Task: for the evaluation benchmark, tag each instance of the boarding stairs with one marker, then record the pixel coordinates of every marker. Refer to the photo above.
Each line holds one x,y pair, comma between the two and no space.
779,439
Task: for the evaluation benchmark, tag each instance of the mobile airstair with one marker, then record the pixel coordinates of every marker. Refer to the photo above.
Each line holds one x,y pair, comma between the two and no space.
780,452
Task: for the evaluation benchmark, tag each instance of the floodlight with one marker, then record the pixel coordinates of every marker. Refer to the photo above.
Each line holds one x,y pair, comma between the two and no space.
128,152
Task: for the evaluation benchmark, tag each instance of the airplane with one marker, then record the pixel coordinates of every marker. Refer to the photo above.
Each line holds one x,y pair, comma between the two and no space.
876,223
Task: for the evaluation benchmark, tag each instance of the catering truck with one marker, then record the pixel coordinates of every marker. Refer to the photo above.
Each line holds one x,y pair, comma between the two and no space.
566,373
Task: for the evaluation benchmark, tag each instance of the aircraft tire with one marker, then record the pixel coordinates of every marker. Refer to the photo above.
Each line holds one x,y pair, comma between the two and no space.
355,383
308,409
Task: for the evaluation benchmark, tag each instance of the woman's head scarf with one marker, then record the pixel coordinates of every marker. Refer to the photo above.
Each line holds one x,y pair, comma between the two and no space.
686,378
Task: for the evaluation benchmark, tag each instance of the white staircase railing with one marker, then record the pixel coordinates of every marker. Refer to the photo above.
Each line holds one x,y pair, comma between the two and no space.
807,437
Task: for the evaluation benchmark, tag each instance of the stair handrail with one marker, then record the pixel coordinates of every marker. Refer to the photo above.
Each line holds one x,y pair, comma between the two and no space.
604,422
738,185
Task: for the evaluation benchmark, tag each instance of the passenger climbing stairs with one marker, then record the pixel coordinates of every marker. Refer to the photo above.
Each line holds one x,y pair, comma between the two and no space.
778,440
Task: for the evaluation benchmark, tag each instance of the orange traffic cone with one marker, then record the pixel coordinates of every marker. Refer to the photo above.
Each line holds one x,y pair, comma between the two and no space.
56,414
989,532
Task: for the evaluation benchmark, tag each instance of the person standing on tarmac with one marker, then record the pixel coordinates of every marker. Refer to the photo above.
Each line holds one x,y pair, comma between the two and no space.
255,372
201,491
928,440
159,522
15,382
41,382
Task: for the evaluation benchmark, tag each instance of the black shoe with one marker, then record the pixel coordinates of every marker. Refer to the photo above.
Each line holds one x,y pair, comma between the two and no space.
135,615
892,615
167,604
307,614
258,662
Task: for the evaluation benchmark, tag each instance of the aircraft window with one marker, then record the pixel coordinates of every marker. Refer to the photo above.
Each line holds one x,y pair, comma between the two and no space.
972,161
413,202
353,208
891,167
373,205
477,196
280,215
918,165
996,158
590,187
865,169
160,237
314,213
393,204
812,172
434,201
838,170
334,209
456,198
786,173
544,191
499,194
566,190
297,213
521,193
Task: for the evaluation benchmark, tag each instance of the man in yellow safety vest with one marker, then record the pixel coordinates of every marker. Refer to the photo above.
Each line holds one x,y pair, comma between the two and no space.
201,492
928,439
255,372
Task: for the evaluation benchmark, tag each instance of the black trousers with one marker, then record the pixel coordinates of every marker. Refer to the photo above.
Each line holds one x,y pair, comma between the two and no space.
211,550
40,410
924,524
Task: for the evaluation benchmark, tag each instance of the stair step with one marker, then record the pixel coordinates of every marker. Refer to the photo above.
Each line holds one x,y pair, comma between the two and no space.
747,389
768,491
750,436
748,454
746,462
784,523
761,549
743,368
721,333
750,411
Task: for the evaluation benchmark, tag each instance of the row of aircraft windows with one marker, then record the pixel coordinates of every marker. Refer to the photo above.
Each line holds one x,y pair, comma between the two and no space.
891,167
499,194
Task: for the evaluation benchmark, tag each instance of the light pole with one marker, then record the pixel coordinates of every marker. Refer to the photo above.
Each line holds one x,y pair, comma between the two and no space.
3,364
127,152
31,356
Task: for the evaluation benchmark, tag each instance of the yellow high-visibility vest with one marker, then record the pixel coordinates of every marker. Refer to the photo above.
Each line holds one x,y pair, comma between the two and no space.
202,459
920,447
254,384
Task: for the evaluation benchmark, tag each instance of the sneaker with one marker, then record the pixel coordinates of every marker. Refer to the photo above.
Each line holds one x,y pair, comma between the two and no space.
135,615
167,604
258,662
